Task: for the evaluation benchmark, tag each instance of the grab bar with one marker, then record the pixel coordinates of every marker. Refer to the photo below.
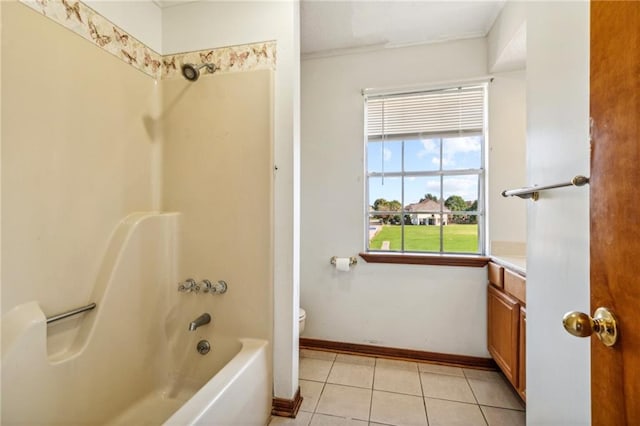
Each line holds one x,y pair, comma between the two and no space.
70,313
533,191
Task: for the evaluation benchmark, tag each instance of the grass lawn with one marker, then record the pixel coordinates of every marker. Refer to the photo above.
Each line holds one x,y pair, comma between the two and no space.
457,238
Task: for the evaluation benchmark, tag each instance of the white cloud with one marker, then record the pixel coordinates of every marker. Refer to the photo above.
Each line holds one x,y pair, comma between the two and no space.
429,146
466,187
433,186
451,148
454,146
387,154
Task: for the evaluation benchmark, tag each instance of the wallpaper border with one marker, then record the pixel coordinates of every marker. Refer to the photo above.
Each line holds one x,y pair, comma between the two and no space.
92,26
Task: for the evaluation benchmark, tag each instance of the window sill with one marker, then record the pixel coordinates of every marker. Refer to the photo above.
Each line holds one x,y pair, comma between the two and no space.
474,261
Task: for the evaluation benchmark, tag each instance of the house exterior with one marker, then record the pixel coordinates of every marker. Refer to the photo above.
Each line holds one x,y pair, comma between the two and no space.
424,213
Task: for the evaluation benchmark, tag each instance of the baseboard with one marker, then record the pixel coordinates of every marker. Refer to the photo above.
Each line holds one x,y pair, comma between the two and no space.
396,353
287,407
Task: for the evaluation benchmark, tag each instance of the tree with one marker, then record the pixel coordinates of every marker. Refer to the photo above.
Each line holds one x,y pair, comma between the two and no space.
380,204
428,197
395,206
383,205
472,208
455,203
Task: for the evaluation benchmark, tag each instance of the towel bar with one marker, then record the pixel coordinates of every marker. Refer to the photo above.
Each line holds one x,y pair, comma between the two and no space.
70,313
533,192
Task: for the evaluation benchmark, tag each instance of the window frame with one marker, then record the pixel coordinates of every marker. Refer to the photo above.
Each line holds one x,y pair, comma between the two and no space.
440,257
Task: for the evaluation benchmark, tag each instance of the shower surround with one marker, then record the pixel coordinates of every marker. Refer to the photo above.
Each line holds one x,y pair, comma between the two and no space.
87,139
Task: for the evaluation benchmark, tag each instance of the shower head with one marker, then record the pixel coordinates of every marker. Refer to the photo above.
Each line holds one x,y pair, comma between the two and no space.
192,72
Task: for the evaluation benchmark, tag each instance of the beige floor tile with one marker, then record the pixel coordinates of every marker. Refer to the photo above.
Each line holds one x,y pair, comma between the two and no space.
314,369
356,359
310,392
482,374
345,401
440,369
495,393
450,413
302,419
503,417
446,387
394,363
397,409
351,375
398,380
325,420
308,353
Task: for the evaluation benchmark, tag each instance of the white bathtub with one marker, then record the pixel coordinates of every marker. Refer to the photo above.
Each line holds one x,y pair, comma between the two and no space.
236,395
132,360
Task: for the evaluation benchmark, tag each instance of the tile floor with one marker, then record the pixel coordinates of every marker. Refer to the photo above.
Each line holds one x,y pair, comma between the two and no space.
354,390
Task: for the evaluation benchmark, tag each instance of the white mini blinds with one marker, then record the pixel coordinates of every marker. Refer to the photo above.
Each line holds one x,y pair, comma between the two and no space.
456,111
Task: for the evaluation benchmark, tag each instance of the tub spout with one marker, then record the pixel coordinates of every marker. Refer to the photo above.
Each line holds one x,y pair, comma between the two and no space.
200,321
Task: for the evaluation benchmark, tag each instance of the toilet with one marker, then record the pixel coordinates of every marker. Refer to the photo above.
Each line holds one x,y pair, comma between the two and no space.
302,316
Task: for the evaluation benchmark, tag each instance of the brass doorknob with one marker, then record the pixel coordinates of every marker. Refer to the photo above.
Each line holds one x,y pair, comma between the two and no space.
603,324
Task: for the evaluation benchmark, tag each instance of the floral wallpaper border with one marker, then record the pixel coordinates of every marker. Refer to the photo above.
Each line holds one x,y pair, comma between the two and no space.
84,21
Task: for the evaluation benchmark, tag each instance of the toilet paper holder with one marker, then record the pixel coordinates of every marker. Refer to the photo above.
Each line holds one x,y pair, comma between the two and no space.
352,260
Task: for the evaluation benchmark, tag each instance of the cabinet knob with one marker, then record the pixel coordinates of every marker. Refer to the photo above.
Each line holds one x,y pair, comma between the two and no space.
603,324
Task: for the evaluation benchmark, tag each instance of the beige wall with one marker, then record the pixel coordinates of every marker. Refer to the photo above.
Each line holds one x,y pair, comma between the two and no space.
507,163
217,172
380,304
76,158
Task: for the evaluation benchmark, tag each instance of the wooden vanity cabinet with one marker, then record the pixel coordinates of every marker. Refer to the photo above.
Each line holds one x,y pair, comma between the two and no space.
506,324
504,321
522,362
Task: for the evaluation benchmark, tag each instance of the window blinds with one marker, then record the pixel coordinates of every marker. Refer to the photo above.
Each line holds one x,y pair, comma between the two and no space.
441,112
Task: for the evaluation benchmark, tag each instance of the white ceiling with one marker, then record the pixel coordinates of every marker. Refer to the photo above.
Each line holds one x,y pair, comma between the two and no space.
331,25
168,3
334,25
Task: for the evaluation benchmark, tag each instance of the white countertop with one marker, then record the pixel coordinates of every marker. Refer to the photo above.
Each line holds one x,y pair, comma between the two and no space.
516,263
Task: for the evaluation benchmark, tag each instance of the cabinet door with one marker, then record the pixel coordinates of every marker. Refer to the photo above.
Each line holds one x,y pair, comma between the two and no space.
503,323
522,351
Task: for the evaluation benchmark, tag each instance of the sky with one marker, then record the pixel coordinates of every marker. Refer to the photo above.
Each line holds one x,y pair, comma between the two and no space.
424,155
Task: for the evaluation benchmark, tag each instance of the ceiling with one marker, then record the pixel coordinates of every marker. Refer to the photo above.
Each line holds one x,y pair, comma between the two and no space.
168,3
335,25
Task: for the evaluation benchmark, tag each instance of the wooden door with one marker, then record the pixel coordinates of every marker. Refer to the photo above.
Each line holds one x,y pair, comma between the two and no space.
615,207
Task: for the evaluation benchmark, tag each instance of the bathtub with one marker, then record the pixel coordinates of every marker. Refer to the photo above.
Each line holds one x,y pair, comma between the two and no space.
237,394
132,360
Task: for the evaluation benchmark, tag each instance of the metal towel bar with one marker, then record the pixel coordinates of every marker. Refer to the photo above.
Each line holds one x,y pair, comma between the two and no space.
70,313
533,191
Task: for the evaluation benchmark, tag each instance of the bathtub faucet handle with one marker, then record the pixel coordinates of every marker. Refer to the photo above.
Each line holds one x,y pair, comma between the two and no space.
206,286
188,286
218,288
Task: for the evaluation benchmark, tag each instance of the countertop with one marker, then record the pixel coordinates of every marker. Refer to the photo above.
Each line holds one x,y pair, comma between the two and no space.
515,263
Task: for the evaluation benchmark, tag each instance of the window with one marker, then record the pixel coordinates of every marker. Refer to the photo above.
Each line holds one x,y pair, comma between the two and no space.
425,171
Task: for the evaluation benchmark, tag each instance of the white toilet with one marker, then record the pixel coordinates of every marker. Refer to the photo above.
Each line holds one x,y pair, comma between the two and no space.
301,320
